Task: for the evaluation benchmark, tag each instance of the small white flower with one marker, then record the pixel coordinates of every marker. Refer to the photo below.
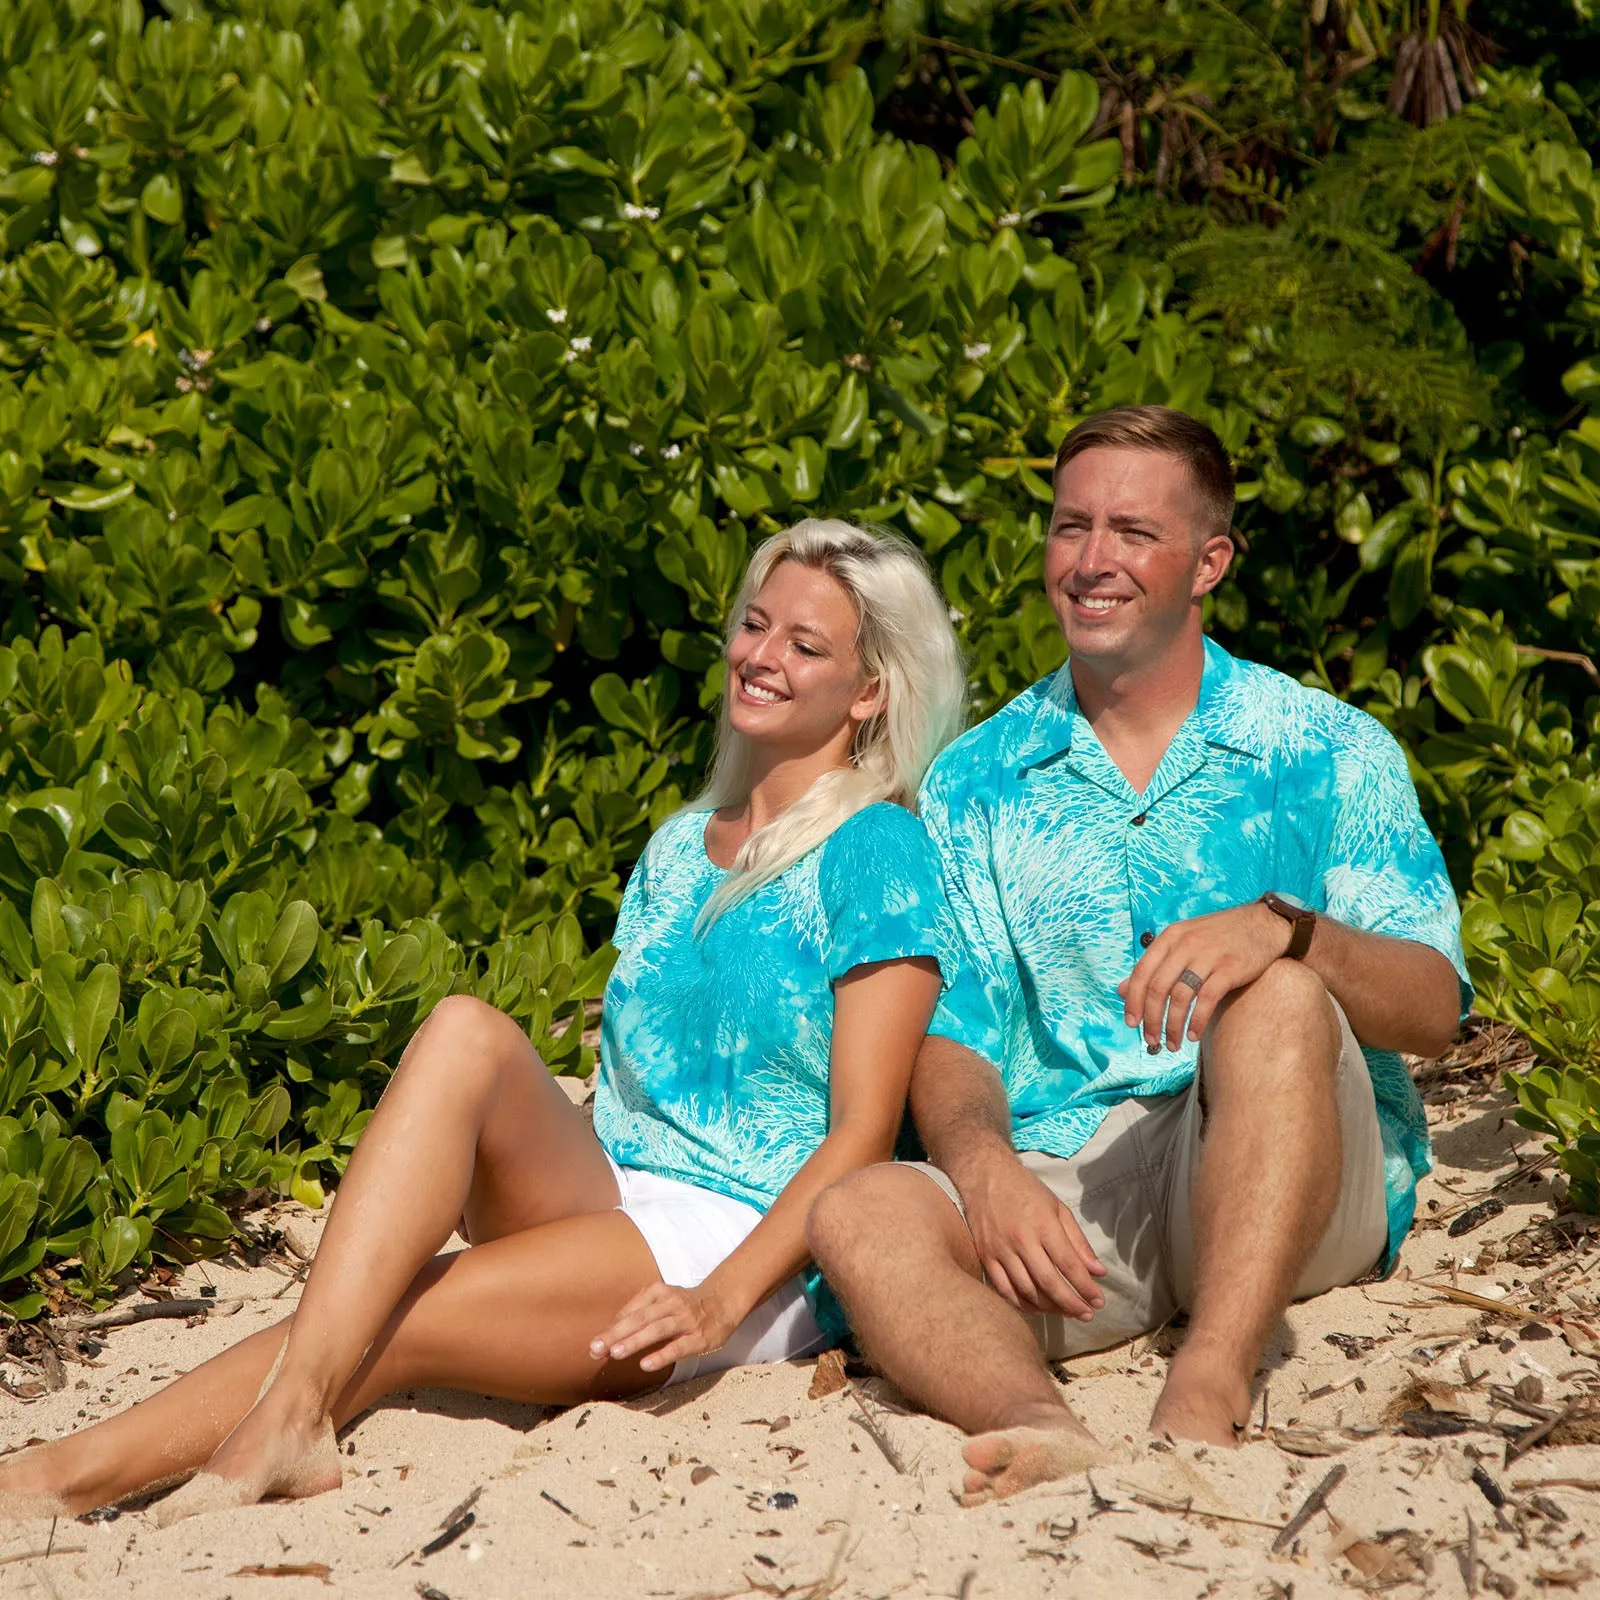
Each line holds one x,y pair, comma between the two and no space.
955,615
640,213
557,314
976,352
263,324
582,343
635,449
46,158
692,77
860,362
672,452
1008,219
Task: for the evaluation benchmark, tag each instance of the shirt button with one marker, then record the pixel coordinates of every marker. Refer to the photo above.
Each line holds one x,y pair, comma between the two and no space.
1146,939
1138,821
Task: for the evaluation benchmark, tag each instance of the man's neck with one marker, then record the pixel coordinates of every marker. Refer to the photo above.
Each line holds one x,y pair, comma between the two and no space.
1136,709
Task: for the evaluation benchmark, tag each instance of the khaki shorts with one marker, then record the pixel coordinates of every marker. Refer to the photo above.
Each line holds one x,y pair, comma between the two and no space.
1130,1186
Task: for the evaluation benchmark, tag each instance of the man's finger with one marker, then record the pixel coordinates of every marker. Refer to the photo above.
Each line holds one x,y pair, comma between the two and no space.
1072,1269
1217,988
1053,1290
1000,1281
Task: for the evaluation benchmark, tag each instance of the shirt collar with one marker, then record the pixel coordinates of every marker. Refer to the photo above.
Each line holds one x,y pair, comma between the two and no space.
1227,714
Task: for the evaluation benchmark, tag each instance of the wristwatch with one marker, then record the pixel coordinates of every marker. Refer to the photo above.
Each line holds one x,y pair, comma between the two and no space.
1293,911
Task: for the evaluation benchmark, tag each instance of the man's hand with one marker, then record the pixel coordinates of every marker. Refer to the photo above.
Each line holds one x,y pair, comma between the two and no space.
1225,951
1030,1245
678,1322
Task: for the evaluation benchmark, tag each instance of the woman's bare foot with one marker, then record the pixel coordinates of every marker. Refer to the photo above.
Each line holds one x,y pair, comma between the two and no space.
27,1491
1038,1450
1202,1402
280,1450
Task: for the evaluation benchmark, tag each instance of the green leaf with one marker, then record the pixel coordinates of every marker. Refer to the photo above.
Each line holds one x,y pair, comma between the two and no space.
291,942
162,199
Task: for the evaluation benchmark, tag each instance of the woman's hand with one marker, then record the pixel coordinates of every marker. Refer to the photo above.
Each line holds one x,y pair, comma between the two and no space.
680,1322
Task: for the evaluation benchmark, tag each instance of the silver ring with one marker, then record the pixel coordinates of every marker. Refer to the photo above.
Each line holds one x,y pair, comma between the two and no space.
1192,978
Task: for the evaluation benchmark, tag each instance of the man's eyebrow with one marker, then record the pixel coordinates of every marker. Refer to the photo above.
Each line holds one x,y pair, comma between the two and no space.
1117,519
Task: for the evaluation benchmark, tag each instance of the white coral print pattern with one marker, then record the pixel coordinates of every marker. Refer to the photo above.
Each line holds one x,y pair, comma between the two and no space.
1055,867
714,1051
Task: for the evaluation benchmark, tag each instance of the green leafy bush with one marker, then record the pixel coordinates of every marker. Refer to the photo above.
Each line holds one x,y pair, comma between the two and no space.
390,393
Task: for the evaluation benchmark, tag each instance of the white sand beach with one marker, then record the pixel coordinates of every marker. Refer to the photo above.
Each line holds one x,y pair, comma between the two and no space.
1399,1401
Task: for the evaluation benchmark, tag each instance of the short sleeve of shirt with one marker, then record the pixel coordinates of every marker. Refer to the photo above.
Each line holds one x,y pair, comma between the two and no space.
635,897
881,891
969,1009
1382,870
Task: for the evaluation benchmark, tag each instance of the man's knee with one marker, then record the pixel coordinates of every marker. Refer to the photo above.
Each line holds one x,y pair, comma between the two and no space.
866,1216
1288,995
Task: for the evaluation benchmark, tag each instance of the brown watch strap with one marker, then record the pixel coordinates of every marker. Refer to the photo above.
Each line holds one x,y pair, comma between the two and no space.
1302,918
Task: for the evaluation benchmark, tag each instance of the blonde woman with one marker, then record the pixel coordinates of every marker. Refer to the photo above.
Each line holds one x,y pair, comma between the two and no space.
778,965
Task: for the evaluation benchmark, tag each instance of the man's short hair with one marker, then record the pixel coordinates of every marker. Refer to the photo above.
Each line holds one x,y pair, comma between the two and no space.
1169,433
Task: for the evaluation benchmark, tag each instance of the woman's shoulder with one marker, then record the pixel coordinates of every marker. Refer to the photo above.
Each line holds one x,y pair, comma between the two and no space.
876,838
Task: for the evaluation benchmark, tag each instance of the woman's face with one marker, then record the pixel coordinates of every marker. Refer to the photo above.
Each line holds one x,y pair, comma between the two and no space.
795,682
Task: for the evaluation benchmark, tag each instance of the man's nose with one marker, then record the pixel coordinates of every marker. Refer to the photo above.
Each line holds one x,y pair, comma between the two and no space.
1095,554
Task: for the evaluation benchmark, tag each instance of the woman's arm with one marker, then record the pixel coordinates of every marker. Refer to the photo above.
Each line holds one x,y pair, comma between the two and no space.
880,1014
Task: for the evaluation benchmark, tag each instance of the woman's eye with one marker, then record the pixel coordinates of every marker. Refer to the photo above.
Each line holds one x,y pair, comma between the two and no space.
750,625
807,650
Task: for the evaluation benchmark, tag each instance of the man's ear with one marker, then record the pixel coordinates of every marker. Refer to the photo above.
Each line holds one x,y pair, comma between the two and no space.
1215,555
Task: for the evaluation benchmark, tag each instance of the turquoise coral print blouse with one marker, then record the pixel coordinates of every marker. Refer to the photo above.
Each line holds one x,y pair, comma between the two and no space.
1056,870
714,1050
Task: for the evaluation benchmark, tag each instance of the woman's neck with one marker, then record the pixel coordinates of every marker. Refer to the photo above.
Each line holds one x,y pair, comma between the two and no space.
778,779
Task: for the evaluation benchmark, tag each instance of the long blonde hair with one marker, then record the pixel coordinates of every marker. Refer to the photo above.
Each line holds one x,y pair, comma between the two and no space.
906,646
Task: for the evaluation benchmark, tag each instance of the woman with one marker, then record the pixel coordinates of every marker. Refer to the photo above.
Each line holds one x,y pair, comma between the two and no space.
778,966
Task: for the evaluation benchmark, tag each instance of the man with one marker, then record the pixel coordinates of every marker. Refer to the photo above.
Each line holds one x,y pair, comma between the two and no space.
1200,914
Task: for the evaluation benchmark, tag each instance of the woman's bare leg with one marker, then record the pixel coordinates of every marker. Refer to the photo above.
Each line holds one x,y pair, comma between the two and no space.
512,1318
472,1126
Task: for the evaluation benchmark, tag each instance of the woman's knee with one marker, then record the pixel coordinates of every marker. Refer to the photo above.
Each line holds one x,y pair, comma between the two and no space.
467,1037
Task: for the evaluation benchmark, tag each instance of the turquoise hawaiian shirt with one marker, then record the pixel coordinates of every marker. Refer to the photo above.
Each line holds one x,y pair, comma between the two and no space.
1059,873
714,1048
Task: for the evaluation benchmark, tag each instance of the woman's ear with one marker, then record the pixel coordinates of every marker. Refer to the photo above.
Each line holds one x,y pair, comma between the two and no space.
872,699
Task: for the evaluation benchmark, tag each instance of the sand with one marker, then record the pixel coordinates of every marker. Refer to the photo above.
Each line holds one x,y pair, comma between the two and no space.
744,1484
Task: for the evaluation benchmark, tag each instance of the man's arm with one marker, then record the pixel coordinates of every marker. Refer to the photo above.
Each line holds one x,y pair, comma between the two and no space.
1398,994
1033,1252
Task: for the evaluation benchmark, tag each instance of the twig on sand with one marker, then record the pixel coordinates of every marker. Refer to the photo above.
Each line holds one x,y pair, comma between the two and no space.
1591,1484
1186,1507
1517,1448
1314,1502
874,1429
1471,1574
147,1311
462,1509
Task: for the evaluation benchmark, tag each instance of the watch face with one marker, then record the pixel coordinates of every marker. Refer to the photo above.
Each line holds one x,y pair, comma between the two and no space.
1293,901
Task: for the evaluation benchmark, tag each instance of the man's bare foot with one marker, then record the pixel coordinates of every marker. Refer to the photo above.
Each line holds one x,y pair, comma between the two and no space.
1011,1459
1201,1404
278,1450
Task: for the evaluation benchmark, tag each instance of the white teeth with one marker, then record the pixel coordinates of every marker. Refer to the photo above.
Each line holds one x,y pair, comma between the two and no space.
765,696
1095,602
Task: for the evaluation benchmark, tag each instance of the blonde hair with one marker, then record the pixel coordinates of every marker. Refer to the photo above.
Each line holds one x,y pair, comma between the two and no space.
906,645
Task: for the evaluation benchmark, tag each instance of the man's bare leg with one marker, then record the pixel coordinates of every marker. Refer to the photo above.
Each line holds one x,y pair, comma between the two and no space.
1266,1185
900,1258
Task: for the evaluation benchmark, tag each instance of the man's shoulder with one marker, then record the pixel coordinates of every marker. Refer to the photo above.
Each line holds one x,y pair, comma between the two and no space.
1272,714
976,754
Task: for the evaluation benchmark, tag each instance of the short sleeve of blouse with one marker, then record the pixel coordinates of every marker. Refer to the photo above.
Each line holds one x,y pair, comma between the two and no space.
881,891
635,897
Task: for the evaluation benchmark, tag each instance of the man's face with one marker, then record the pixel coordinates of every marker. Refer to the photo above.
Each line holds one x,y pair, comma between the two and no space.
1128,555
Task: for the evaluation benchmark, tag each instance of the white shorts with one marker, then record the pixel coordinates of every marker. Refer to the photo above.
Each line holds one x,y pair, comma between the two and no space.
691,1232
